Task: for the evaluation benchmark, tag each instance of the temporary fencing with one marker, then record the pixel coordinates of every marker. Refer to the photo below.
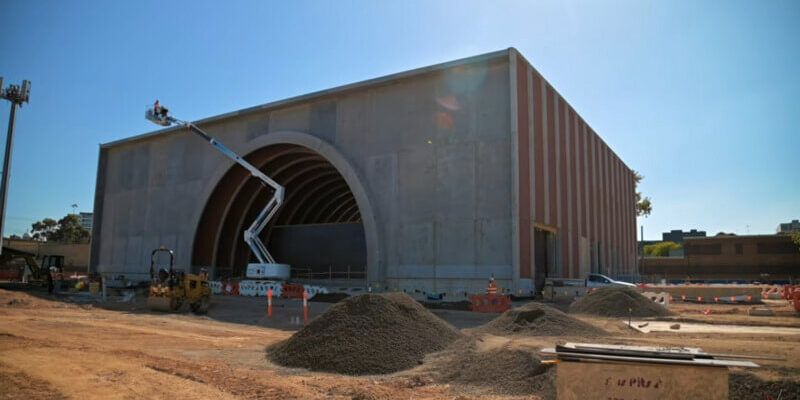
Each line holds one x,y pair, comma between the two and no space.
490,303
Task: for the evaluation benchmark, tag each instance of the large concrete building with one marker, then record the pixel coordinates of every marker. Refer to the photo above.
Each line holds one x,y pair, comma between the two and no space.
432,179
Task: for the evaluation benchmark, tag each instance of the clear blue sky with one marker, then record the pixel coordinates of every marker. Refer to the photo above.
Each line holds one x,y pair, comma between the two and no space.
702,97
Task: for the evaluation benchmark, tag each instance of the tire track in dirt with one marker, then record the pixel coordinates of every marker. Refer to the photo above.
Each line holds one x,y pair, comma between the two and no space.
15,384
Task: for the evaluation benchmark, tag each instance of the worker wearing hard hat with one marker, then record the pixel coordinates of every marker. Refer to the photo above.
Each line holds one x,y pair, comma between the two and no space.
492,288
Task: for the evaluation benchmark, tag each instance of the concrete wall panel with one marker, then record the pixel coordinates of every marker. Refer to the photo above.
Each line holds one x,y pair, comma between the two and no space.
493,183
455,181
416,244
416,181
455,242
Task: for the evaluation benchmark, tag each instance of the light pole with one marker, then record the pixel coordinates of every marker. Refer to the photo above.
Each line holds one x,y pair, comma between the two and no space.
16,95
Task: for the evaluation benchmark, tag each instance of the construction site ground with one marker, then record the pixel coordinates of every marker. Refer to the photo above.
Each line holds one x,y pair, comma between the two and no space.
54,347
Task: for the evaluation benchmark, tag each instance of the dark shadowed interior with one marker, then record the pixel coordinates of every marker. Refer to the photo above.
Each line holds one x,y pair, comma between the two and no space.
318,230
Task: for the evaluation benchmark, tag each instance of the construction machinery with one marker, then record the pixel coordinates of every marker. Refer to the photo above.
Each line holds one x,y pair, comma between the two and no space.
266,267
170,289
39,272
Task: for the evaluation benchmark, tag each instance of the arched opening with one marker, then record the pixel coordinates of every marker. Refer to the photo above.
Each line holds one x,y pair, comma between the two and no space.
318,230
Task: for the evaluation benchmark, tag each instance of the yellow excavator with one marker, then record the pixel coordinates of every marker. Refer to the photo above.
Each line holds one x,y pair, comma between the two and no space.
9,266
170,288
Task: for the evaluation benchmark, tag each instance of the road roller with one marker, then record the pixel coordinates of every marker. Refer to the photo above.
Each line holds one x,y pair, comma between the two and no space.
170,289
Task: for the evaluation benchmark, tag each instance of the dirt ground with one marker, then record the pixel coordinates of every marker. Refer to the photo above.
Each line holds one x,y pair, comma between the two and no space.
54,349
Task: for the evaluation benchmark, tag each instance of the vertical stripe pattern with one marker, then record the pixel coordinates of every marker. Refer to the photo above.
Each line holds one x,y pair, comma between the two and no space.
570,181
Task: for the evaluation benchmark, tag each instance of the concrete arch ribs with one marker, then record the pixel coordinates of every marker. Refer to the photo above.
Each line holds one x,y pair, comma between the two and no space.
259,148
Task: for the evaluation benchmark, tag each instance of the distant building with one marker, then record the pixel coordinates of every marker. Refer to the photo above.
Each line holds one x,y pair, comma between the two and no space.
793,226
86,219
722,258
677,235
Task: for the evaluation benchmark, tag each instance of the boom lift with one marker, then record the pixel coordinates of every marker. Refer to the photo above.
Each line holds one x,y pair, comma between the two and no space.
266,266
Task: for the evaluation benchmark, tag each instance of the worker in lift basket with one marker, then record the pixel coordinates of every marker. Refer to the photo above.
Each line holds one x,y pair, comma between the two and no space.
492,288
159,111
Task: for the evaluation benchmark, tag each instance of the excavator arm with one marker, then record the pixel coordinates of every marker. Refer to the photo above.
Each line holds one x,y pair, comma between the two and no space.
159,116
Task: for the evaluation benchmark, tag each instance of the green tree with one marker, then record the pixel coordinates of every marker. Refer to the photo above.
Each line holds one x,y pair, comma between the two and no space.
643,205
660,249
796,239
44,229
65,230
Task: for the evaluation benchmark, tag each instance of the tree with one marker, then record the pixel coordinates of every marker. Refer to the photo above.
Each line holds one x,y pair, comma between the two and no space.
643,205
796,239
44,229
65,230
661,249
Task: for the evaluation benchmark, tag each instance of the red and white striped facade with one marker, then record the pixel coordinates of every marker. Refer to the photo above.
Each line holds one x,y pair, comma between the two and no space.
567,181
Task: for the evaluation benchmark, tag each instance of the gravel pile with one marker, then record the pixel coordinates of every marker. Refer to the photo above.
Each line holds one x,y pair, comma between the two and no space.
328,297
743,385
495,371
366,334
535,319
615,302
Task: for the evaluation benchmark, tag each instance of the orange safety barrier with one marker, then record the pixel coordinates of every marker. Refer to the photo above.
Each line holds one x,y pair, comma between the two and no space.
490,303
796,301
789,290
230,288
292,291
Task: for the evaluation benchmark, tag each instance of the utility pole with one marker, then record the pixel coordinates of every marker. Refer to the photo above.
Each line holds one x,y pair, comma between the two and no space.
16,95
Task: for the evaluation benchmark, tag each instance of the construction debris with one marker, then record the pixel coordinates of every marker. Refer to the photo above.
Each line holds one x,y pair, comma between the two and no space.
617,302
536,319
366,334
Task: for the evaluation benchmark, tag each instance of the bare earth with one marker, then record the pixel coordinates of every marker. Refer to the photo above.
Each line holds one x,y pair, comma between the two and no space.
50,349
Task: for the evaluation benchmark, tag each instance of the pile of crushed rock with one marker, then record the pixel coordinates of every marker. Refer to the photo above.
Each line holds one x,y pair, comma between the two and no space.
535,319
616,302
366,334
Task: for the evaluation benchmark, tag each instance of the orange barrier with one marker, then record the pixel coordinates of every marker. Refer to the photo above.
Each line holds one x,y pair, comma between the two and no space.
269,302
305,307
292,291
230,288
490,303
792,293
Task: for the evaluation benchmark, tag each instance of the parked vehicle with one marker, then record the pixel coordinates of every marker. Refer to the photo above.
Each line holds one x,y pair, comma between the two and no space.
592,281
598,280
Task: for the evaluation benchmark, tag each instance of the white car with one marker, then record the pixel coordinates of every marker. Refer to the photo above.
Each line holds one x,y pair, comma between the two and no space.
598,280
